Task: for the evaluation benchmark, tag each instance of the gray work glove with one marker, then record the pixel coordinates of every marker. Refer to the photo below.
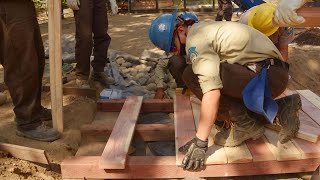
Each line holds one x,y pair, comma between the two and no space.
195,154
73,4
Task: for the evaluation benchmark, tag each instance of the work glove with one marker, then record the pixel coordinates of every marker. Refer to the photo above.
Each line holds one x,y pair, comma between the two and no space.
286,15
195,154
159,94
114,7
73,4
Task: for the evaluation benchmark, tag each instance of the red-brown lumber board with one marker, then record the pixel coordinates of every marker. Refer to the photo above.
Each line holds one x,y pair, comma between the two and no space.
148,105
85,92
25,153
307,149
260,150
115,153
185,128
311,15
149,132
144,167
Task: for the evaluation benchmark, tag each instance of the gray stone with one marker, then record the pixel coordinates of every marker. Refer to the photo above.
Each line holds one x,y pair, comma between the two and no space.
120,60
142,81
151,87
126,64
152,79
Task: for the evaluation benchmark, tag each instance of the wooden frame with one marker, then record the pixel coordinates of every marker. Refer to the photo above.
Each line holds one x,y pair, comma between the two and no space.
254,157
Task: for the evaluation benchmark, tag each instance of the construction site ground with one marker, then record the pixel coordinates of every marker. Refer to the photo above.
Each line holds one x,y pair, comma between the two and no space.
129,34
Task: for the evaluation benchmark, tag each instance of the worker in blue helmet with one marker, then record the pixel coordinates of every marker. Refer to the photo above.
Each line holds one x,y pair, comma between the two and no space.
175,62
236,72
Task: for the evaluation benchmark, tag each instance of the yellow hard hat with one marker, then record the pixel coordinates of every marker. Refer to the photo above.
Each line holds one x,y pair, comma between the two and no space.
261,18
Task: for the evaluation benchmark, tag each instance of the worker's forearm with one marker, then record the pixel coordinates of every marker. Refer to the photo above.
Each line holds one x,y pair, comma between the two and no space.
208,114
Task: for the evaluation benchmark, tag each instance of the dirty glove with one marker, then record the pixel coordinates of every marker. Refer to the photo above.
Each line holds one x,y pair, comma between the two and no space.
114,6
73,4
286,15
195,154
159,93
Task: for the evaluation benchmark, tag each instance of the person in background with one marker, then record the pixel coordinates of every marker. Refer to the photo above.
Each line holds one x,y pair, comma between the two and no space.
91,35
224,10
23,60
176,61
261,18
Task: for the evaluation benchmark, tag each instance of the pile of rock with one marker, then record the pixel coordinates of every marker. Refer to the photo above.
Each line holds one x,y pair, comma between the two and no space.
134,75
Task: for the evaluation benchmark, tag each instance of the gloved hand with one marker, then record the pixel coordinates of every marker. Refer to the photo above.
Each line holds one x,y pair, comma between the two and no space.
286,15
159,94
73,4
114,6
195,154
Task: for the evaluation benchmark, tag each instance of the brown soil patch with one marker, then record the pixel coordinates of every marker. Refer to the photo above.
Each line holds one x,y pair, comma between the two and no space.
309,37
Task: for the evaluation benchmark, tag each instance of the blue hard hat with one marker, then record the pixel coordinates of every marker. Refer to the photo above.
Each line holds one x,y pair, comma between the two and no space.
186,16
161,31
257,97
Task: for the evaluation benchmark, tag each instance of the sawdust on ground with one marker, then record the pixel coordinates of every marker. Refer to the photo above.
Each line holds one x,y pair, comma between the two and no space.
129,34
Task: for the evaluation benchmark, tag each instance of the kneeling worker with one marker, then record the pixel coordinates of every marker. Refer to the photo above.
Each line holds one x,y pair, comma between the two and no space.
227,58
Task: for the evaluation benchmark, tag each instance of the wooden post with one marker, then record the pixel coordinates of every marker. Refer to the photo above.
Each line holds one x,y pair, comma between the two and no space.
54,8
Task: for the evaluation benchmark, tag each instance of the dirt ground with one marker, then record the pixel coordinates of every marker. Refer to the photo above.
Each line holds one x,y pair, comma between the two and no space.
129,34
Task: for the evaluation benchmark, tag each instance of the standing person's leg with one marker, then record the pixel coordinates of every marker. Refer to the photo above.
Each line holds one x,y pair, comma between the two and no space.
45,114
176,66
83,48
101,42
220,11
227,9
21,69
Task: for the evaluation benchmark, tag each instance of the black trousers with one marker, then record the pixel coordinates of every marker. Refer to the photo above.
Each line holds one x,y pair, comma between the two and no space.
22,56
91,32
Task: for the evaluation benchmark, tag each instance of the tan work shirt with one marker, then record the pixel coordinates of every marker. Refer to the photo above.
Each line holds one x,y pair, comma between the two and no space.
211,43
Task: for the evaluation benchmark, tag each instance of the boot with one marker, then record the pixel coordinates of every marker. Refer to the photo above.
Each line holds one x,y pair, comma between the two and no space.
288,116
41,133
103,78
242,127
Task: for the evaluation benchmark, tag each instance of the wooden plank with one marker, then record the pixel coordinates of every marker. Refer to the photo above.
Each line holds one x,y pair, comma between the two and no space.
85,92
283,152
311,110
259,149
184,123
309,130
307,149
311,15
146,167
115,152
54,8
91,149
148,105
148,132
310,96
238,154
25,153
